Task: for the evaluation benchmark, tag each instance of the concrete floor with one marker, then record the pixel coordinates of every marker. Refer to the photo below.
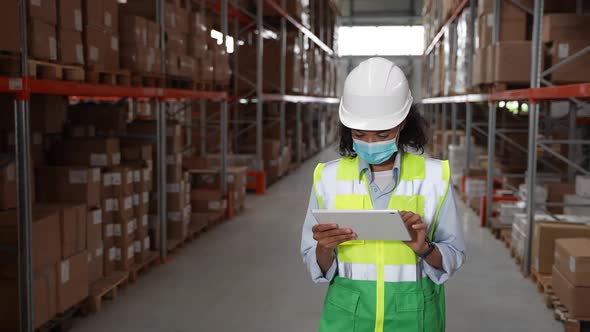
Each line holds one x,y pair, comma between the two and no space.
247,275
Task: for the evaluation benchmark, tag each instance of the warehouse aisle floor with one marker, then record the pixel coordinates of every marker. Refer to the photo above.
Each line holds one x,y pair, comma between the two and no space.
247,275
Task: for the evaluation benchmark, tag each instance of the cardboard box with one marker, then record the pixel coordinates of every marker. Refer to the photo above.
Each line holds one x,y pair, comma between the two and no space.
208,200
136,151
124,231
91,151
43,10
42,41
544,242
7,183
94,230
70,15
108,234
575,299
71,48
583,208
512,62
95,44
514,29
149,129
122,180
93,12
565,27
72,226
194,162
556,192
271,149
109,206
142,248
111,15
143,226
197,47
45,232
123,209
572,259
134,31
153,34
44,299
583,186
72,286
106,119
95,265
141,203
187,65
176,198
574,72
10,21
198,26
72,184
124,256
109,257
177,42
111,54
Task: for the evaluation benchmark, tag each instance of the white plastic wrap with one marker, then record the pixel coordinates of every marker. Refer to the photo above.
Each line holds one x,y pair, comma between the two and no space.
461,72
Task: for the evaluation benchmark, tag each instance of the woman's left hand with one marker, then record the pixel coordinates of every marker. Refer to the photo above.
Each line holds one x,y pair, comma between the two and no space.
417,229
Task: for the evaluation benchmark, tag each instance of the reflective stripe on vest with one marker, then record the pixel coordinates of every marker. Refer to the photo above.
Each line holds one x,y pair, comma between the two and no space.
422,186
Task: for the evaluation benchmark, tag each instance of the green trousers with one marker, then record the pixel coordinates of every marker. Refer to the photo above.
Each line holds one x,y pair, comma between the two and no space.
409,307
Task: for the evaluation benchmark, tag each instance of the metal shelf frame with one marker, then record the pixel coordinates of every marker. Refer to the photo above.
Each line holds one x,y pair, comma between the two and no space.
539,99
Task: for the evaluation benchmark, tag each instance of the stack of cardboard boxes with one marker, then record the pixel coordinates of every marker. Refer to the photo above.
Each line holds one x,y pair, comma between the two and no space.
566,34
42,22
140,44
198,47
571,276
101,34
580,197
69,33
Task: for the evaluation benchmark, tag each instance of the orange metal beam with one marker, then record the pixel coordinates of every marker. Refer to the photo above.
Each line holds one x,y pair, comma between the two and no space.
440,33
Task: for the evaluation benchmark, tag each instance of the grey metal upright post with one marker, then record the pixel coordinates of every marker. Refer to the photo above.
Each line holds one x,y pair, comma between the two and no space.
492,109
282,72
259,84
203,126
454,123
24,204
299,133
491,157
223,123
236,108
533,130
161,136
443,122
468,130
572,135
469,106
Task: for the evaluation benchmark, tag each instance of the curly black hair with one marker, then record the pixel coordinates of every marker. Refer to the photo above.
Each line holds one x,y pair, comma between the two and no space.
413,135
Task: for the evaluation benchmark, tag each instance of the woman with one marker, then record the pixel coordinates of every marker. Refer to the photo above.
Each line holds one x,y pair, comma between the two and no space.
383,285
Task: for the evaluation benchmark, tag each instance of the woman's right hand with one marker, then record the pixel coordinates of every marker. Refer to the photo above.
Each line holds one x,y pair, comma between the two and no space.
329,236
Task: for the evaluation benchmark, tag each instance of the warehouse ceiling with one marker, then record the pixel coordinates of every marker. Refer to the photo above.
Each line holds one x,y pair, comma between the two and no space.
380,12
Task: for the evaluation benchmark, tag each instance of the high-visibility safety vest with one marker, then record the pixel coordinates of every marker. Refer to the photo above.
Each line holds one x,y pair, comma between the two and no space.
379,286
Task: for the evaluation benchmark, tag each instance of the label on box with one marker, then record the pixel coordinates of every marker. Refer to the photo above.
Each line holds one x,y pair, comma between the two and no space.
173,187
130,178
52,48
80,53
116,179
109,230
144,220
230,178
147,175
116,158
563,50
572,264
98,159
214,205
117,254
65,271
490,20
89,256
36,3
107,179
145,197
128,203
131,226
15,84
108,205
207,178
114,43
77,177
130,251
174,159
137,246
115,203
93,53
112,254
108,19
174,216
146,243
136,176
117,230
135,199
96,175
78,19
99,252
97,217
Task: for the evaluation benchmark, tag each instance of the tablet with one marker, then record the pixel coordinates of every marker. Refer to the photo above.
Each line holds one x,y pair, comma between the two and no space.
384,225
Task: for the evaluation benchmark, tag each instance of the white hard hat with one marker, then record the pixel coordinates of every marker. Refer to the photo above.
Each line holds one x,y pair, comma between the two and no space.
376,96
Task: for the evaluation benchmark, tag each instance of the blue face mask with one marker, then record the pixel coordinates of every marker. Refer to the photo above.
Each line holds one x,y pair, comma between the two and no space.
375,153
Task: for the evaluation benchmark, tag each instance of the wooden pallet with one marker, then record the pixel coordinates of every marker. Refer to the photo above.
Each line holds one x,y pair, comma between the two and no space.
570,324
541,280
174,245
54,71
506,237
108,77
148,80
64,322
153,258
106,288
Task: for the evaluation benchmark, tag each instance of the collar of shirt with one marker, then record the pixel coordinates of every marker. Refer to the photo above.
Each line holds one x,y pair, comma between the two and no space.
365,167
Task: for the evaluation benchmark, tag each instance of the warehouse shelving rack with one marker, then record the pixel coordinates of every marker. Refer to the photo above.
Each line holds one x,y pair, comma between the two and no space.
536,96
